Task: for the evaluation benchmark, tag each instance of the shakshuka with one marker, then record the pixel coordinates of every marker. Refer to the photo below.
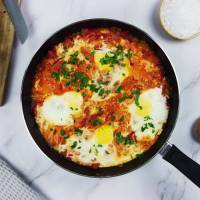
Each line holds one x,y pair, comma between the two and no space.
100,97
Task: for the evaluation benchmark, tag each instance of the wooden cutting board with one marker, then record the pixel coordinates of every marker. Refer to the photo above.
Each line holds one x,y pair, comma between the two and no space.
6,43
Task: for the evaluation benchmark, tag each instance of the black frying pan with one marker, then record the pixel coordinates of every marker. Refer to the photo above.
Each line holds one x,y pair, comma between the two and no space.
169,152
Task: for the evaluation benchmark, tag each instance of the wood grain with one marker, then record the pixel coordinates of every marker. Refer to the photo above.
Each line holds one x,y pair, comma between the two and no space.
6,44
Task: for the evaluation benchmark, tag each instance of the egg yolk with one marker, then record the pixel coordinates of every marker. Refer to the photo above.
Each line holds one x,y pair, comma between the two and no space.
74,100
104,134
97,57
146,107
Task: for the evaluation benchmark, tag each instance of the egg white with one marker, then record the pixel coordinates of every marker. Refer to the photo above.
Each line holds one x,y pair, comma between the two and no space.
156,114
60,109
88,151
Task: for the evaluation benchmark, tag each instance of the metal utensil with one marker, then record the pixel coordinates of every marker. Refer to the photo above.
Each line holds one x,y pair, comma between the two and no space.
17,19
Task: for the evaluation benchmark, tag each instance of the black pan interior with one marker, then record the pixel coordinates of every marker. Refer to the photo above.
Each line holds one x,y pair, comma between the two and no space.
33,128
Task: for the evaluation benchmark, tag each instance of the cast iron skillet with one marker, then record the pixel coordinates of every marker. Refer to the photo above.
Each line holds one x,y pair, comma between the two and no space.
169,152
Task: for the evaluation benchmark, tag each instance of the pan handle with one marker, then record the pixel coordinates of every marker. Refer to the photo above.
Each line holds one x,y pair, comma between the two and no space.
183,163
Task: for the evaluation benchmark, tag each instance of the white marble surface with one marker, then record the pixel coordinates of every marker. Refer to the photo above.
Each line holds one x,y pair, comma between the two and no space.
156,180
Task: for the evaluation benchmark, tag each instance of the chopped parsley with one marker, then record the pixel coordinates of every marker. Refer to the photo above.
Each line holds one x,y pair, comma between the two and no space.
112,118
94,88
84,82
128,54
73,58
108,92
78,131
55,75
118,89
78,75
107,152
124,140
147,118
96,122
103,82
68,83
137,103
124,97
62,132
74,144
83,94
113,57
92,53
148,125
119,138
128,141
101,92
65,70
144,127
121,118
66,137
137,93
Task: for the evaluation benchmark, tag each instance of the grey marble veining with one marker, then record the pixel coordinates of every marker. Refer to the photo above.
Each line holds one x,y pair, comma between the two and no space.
157,180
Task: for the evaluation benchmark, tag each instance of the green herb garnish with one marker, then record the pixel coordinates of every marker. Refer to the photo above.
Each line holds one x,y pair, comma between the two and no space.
78,131
83,94
108,92
113,57
78,75
94,88
73,58
137,103
121,118
62,132
128,54
118,90
137,93
123,98
92,53
103,82
147,126
66,137
125,140
128,141
101,92
55,75
147,118
68,83
84,82
74,144
107,152
112,118
96,122
119,138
